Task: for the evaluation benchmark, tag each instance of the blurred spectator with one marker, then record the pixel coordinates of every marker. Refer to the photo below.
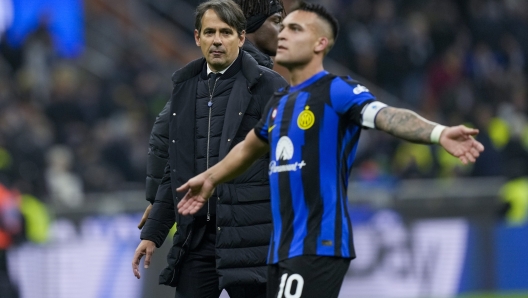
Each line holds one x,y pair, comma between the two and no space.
64,186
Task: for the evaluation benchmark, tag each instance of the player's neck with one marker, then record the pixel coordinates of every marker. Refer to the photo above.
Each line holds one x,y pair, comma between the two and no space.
301,73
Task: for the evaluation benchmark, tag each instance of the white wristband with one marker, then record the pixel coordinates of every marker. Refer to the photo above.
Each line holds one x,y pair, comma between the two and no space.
435,134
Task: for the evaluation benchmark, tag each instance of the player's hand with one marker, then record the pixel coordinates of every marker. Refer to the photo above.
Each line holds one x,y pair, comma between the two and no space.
145,216
145,248
459,142
199,189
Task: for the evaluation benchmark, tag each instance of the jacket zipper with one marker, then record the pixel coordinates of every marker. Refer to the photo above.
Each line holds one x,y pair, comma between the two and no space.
210,104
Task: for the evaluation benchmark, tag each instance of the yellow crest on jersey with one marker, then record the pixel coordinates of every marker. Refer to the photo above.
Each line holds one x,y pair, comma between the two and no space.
306,119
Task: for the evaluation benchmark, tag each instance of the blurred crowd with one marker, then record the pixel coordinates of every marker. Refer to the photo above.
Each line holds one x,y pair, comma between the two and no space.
72,126
453,62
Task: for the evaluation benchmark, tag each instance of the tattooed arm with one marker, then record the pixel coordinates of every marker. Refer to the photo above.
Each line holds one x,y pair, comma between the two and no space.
405,124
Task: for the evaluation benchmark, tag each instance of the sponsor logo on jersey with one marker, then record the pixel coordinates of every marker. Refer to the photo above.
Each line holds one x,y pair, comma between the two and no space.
284,151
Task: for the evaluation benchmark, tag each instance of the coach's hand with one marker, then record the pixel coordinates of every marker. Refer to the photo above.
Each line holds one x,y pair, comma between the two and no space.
199,189
145,248
459,142
145,217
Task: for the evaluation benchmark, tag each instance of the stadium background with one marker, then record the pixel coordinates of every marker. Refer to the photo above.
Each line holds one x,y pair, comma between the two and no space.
82,81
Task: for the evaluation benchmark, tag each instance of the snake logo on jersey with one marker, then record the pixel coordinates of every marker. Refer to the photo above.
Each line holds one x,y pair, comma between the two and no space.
313,130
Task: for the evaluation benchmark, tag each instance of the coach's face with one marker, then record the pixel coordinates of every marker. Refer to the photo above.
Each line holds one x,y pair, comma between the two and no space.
218,41
298,39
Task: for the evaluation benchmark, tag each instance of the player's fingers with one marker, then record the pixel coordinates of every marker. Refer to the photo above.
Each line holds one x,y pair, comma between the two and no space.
193,207
185,199
463,159
474,152
469,157
183,206
184,203
180,203
183,188
478,145
469,131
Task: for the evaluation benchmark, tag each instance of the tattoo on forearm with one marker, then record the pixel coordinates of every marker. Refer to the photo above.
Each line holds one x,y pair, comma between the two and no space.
405,124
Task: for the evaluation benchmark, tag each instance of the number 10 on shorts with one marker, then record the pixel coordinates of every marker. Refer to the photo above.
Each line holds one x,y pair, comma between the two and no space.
287,283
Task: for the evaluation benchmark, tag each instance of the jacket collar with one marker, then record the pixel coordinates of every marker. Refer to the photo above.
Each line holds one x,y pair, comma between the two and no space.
250,70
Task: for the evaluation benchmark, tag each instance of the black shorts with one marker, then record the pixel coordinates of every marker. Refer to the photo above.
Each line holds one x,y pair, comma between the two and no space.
307,277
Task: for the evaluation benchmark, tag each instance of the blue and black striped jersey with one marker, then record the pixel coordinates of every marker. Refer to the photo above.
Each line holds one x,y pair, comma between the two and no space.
313,131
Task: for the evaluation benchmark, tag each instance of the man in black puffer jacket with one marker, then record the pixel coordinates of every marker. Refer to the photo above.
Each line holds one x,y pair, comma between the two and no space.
215,102
263,25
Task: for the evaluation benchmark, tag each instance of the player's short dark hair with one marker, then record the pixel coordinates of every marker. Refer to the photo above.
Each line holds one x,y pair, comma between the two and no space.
321,12
227,10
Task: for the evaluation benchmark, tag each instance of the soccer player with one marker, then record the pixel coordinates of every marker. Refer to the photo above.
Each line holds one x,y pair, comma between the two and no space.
311,130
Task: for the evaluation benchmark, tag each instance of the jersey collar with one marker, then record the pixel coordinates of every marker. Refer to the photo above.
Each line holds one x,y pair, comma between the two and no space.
310,81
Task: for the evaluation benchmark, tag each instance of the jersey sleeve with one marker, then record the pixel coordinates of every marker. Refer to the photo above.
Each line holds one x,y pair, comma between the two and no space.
349,98
261,129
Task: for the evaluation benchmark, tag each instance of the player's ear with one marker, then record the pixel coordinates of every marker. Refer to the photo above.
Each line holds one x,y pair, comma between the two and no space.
321,44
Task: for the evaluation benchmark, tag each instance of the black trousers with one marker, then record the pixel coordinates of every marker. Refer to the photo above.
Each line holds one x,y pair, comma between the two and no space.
199,278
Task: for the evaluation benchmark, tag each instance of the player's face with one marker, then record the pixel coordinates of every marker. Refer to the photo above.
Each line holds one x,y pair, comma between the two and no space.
297,39
266,37
218,41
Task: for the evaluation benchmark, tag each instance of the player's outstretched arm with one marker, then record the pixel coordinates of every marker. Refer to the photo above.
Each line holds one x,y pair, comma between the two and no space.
407,125
200,188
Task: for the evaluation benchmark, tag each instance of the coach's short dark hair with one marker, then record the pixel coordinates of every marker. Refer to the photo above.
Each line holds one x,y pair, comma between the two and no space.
321,12
227,10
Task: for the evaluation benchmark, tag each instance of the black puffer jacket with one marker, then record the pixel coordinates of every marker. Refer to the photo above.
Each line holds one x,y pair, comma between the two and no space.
243,214
158,153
